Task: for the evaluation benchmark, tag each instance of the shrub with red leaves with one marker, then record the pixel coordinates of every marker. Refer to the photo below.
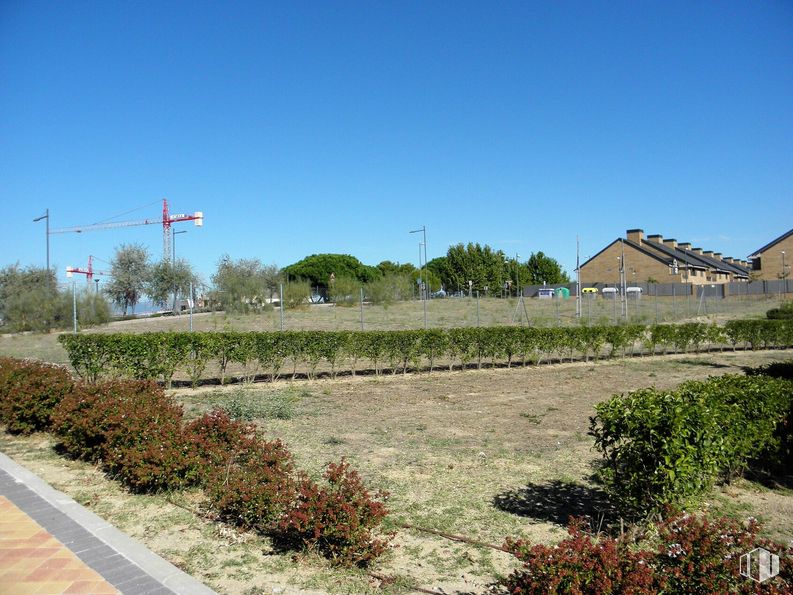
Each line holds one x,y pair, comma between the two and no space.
339,520
687,553
216,439
254,486
29,391
579,564
132,427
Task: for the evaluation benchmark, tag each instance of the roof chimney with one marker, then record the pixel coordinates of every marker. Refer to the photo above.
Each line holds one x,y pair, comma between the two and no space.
717,256
635,235
656,237
684,245
671,243
728,259
708,253
697,250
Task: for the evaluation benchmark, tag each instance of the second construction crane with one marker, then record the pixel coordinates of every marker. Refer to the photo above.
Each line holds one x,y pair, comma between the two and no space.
167,220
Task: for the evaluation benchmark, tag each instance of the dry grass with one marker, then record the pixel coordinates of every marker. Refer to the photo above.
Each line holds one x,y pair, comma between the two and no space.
487,454
453,312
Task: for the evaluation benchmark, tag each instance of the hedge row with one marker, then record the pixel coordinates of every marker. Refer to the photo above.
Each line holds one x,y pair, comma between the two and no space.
661,447
138,435
160,355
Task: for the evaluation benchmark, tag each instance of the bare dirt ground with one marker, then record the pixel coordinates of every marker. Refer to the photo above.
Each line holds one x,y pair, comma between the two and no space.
486,454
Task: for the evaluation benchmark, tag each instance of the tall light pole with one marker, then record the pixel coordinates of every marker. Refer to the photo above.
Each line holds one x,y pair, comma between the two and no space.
577,278
174,234
173,265
517,274
784,277
46,216
425,294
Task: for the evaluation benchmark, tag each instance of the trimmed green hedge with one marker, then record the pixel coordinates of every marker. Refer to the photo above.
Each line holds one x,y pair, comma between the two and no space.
150,356
665,446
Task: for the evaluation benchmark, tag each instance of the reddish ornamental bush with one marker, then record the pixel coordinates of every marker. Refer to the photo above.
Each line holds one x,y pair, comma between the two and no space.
338,520
579,564
254,486
132,428
216,439
688,553
29,391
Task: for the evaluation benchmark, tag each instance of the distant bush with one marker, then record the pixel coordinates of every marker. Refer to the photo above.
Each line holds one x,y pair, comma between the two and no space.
783,312
29,391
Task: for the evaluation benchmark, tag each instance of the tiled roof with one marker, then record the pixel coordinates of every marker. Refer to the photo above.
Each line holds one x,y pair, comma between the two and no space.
685,258
771,243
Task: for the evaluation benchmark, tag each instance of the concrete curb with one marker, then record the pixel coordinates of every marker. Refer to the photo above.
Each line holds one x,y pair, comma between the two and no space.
158,568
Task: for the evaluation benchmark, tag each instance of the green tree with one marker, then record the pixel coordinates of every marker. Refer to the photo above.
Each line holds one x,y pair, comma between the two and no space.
394,268
344,291
544,269
244,285
481,265
317,269
129,271
30,300
168,279
390,288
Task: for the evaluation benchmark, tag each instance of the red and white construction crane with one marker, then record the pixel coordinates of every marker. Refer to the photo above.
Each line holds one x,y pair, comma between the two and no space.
89,272
167,220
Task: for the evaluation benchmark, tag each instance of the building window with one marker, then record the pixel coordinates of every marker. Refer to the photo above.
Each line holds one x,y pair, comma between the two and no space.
756,264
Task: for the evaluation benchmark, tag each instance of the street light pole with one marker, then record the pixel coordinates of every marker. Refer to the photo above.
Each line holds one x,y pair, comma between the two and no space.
578,277
46,216
784,278
425,291
173,265
173,256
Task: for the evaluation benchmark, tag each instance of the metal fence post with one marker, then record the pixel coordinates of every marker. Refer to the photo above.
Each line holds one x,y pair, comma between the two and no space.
282,305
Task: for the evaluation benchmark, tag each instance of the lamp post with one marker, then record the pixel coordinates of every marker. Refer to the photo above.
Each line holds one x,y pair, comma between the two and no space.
517,274
173,245
74,298
173,266
46,216
784,278
425,292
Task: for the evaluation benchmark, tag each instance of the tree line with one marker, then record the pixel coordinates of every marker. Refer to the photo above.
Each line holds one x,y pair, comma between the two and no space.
31,300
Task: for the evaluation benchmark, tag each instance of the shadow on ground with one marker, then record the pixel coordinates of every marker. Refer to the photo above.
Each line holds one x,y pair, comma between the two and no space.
557,501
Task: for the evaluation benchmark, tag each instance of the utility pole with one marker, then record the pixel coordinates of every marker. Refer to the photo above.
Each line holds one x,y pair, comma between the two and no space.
623,288
425,289
173,265
282,306
578,279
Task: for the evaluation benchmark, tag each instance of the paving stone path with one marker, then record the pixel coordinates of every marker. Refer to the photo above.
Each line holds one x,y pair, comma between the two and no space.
50,544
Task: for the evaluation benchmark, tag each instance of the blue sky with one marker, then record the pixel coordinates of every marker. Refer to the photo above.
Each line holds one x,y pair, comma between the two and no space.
306,127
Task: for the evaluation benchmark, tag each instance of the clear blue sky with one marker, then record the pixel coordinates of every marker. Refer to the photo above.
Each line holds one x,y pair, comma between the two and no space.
306,127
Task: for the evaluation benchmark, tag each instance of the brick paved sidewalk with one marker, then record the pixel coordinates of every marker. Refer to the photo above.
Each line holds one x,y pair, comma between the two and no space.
51,544
33,561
